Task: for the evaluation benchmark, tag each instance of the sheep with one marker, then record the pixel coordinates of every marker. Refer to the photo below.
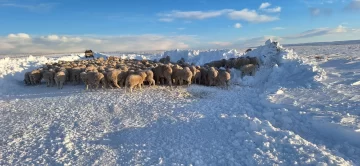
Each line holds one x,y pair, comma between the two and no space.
162,72
184,75
165,60
84,78
35,76
240,62
27,79
197,77
204,76
60,78
212,76
150,77
254,60
94,79
223,78
135,80
248,50
113,77
248,69
48,76
175,69
75,74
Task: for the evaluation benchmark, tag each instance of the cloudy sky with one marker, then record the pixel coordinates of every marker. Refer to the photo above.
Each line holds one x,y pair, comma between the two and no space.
38,26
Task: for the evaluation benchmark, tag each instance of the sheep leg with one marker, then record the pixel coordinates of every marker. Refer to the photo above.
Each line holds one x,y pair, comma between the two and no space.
162,81
61,84
116,83
152,82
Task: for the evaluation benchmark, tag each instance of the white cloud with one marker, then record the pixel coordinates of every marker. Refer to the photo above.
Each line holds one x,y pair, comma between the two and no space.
166,19
43,7
237,25
180,29
19,36
251,16
264,5
15,43
320,11
354,5
278,28
222,44
319,32
273,10
195,15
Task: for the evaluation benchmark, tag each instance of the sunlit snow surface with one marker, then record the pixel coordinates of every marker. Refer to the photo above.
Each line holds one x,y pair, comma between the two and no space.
297,110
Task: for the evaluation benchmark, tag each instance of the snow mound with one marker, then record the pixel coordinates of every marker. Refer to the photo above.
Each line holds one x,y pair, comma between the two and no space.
201,57
12,70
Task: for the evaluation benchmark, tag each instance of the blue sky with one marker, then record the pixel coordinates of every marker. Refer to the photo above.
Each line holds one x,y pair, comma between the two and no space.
71,25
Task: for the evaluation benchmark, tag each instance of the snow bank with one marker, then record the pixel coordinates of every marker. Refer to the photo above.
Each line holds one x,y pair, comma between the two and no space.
12,70
201,57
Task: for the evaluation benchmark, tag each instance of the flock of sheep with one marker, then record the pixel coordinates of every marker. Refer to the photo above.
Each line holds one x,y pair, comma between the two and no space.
115,72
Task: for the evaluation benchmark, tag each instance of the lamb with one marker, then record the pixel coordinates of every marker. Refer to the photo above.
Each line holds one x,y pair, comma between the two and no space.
212,76
135,80
163,72
48,76
60,78
248,69
223,78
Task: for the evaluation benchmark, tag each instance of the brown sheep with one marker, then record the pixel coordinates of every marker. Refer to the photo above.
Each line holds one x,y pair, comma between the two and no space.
175,69
212,76
254,60
60,78
204,76
223,78
75,74
48,76
240,62
165,60
248,69
27,79
184,75
35,76
112,77
135,80
150,77
162,72
197,77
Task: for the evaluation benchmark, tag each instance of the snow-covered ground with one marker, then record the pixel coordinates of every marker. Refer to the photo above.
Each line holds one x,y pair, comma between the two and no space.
297,110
